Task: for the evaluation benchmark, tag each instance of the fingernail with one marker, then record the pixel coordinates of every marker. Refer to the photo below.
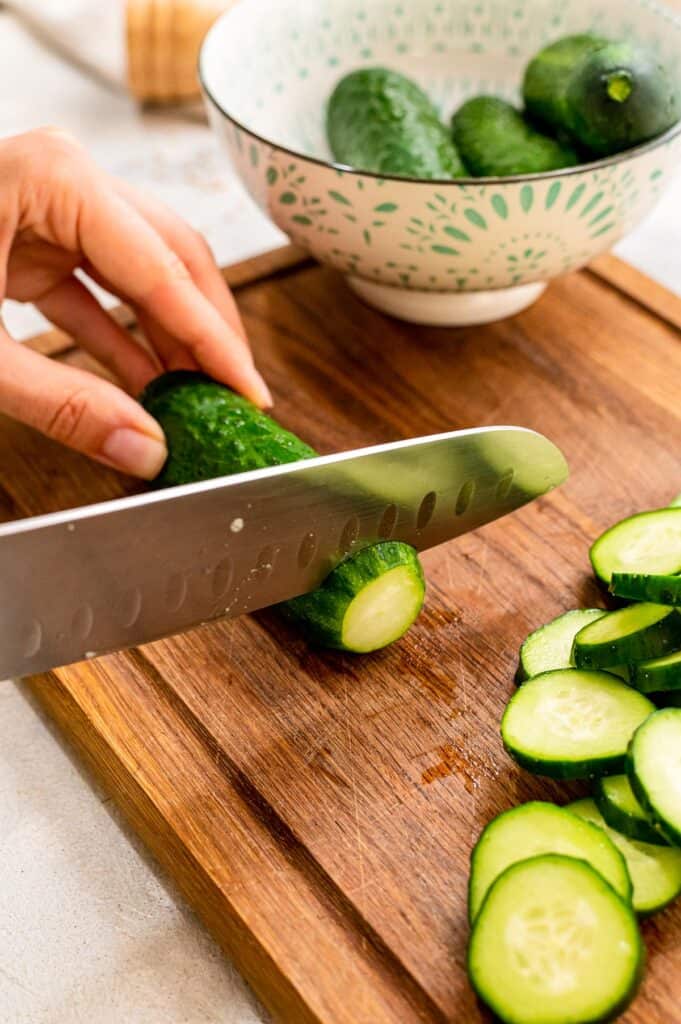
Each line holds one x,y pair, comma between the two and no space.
263,395
135,453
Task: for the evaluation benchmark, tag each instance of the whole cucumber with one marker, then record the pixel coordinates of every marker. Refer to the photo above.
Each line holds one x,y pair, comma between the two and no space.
378,120
607,96
619,97
548,73
495,139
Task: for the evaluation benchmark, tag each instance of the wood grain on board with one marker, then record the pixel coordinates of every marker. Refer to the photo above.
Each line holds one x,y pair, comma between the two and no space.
318,810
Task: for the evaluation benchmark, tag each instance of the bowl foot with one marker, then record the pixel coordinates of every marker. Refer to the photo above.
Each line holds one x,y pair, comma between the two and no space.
447,309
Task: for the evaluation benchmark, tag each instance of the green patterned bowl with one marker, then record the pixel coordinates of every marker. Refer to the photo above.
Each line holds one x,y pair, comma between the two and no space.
445,252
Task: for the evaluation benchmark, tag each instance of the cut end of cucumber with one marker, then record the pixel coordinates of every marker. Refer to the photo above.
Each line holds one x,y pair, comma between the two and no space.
619,86
632,634
383,611
553,943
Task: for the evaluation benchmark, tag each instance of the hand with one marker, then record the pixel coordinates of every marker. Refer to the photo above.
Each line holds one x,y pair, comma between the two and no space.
58,212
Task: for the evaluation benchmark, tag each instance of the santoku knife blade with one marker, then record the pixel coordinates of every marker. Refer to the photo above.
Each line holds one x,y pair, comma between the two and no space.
78,583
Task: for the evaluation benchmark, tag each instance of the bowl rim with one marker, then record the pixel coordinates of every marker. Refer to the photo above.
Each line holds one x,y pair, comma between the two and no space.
510,179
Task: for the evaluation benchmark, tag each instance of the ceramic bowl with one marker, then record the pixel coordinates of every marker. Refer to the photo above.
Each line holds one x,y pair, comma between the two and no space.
445,252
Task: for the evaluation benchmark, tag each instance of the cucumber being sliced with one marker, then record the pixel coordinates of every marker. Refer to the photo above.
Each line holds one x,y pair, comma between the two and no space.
649,542
658,674
535,828
554,944
635,586
616,801
635,633
655,870
367,602
654,769
550,646
573,724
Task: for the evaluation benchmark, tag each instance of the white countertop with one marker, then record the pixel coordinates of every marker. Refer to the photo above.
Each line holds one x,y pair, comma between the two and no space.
89,930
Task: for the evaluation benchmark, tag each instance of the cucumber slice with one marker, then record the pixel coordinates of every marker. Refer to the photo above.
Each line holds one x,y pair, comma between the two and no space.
573,724
632,634
649,542
367,602
550,646
616,801
554,944
657,675
655,870
654,769
636,586
535,828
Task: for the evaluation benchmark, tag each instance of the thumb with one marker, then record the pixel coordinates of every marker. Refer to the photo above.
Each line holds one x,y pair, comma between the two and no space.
80,410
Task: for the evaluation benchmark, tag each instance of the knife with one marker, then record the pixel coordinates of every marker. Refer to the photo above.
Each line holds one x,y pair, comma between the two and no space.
79,583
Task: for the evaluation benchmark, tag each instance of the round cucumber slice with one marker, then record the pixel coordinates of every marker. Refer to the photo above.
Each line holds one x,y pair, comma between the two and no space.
635,633
554,943
636,586
649,542
573,724
658,674
655,870
616,801
550,646
535,828
654,769
367,602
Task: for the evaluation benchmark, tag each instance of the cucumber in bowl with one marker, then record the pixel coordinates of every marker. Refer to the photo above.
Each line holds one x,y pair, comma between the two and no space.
494,139
553,943
573,724
372,597
607,96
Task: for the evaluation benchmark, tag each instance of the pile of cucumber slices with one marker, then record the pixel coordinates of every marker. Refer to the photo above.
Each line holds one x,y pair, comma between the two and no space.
554,892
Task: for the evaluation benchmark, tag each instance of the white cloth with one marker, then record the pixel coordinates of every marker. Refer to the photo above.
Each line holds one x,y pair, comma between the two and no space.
89,32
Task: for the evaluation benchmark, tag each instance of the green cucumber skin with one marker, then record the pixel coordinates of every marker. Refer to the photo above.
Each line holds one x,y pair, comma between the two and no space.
494,139
321,613
627,824
547,75
652,678
655,640
211,431
668,830
604,125
380,121
566,86
561,771
659,589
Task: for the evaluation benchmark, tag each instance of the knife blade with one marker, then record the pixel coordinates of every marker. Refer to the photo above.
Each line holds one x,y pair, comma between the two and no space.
82,582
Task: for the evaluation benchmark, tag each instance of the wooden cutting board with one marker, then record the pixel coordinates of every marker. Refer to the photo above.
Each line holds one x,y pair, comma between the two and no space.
318,810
